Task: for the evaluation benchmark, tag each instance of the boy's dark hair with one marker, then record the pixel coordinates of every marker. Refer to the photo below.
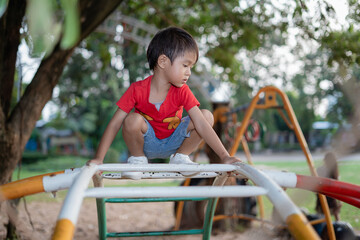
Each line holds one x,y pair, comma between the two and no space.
172,42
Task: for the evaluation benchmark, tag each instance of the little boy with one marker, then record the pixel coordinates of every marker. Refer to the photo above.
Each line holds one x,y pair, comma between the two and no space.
156,128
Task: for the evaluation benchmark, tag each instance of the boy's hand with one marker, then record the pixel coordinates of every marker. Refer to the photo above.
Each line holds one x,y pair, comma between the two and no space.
96,161
231,160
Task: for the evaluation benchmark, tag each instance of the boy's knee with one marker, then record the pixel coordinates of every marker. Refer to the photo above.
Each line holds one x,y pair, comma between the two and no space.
133,121
208,116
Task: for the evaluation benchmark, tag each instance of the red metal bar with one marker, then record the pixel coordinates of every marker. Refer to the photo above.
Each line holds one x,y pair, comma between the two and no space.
348,199
346,192
327,185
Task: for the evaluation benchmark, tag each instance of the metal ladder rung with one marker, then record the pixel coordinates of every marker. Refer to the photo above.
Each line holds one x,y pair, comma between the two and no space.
205,231
136,200
156,233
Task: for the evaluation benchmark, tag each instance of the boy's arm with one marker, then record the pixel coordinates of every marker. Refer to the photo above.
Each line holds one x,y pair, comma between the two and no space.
108,137
206,131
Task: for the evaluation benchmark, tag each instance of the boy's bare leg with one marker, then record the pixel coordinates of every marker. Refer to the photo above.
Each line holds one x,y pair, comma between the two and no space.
134,127
191,143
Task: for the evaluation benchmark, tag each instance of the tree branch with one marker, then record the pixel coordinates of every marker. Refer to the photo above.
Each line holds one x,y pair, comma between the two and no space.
10,24
39,91
161,14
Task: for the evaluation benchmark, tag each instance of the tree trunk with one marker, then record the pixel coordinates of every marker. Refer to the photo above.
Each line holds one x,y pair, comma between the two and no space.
16,127
17,123
10,24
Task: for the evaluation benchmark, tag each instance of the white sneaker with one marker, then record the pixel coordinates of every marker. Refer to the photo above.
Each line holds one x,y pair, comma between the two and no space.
135,160
179,158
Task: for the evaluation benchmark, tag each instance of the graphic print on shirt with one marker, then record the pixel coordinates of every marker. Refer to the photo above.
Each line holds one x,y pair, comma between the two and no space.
147,117
173,121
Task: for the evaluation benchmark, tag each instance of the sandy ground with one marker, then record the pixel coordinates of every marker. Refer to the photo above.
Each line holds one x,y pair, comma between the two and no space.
120,217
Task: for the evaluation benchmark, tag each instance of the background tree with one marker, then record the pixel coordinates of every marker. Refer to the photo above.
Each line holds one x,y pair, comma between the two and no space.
17,121
16,124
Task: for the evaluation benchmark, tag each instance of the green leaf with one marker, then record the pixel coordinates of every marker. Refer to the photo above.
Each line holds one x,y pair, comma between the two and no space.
3,6
43,29
71,31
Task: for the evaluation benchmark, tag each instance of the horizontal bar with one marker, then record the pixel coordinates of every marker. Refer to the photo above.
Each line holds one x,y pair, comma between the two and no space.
191,191
135,200
156,233
326,185
163,175
60,181
155,167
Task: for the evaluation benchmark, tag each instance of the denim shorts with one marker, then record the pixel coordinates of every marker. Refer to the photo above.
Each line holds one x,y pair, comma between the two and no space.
163,148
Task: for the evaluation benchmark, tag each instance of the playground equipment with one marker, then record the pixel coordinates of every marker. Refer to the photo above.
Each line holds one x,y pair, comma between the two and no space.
248,130
270,101
269,183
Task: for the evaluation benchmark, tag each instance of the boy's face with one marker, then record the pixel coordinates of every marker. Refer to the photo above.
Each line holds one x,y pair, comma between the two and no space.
179,71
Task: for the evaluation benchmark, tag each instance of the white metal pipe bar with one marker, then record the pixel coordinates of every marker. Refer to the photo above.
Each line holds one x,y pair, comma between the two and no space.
167,167
72,170
284,179
64,181
164,192
276,194
163,175
72,203
59,181
75,194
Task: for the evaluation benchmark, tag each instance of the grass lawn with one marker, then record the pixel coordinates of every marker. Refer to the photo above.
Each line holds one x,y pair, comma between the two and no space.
349,172
48,165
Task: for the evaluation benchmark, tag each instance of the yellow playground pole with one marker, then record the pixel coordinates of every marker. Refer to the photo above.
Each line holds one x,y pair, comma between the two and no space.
48,182
24,187
270,101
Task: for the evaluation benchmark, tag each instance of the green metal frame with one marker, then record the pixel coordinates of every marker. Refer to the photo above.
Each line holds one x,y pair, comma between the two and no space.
205,231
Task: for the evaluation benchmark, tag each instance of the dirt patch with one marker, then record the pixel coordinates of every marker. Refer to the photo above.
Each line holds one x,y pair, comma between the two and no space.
120,217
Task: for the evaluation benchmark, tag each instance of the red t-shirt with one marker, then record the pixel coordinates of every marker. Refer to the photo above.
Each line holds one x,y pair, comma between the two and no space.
166,120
